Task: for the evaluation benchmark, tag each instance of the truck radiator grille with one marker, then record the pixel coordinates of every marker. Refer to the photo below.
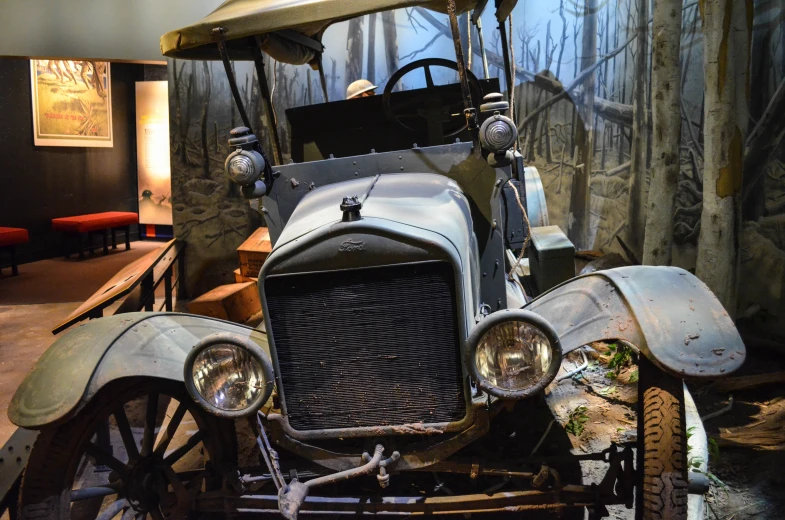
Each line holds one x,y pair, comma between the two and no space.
368,347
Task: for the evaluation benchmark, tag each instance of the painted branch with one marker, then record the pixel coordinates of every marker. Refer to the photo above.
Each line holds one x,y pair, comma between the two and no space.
618,113
618,170
574,85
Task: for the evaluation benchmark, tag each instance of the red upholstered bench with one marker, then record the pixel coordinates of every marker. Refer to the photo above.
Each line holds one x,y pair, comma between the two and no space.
80,224
10,237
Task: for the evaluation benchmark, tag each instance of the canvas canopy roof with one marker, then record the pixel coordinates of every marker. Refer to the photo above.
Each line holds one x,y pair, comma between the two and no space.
285,22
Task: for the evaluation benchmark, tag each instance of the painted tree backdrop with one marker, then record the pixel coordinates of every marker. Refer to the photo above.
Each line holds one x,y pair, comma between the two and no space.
583,98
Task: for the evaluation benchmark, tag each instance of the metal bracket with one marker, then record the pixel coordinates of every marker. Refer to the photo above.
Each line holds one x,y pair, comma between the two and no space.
13,459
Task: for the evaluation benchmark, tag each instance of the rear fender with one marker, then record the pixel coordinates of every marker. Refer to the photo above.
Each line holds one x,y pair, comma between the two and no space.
668,314
92,355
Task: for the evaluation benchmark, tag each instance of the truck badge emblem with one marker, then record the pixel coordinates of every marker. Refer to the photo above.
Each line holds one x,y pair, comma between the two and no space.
349,245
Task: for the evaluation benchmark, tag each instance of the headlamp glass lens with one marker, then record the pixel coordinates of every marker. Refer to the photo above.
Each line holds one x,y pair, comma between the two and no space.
513,355
228,377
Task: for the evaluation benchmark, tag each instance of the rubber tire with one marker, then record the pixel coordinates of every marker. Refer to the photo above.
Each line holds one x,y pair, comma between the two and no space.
45,493
662,446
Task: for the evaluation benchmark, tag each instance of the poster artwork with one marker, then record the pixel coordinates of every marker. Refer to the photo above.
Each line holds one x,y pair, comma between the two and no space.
72,103
152,152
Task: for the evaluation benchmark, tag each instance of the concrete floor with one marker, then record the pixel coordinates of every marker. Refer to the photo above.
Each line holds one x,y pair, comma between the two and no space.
41,297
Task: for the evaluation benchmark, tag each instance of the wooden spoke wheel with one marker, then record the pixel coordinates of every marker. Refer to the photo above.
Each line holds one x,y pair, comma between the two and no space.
139,449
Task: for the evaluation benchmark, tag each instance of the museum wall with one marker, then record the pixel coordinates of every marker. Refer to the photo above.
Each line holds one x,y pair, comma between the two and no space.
41,183
550,49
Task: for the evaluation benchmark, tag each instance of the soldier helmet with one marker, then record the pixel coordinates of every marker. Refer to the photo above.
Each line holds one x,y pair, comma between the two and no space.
359,87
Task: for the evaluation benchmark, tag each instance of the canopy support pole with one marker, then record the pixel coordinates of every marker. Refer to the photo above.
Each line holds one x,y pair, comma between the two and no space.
272,120
469,111
478,25
506,57
238,100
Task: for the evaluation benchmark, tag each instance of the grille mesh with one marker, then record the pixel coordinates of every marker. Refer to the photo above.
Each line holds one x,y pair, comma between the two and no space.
368,347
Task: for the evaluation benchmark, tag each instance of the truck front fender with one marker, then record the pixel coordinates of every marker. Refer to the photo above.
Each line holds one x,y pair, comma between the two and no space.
88,357
668,314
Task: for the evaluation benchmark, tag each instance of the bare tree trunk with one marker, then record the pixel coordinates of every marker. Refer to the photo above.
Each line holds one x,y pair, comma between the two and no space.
203,120
562,40
666,135
754,202
181,133
371,76
606,91
624,82
580,198
390,42
354,47
308,88
726,28
636,208
334,94
575,31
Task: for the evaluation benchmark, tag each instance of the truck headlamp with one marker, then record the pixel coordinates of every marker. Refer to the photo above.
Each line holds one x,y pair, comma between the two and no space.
498,133
228,375
244,167
513,354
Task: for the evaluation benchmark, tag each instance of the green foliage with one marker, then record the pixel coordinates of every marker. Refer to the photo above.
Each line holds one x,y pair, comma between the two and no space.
608,391
576,423
695,463
622,356
714,449
634,376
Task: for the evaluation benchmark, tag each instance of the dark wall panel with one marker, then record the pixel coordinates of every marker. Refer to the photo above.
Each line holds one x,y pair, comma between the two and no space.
41,183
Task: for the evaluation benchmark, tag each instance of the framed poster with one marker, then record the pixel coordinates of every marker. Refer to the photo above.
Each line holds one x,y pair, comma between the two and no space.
152,152
72,103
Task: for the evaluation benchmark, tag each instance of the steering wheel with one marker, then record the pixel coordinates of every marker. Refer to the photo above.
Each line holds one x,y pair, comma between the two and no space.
437,108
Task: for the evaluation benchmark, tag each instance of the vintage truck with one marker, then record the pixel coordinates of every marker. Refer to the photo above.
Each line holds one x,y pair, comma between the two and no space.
401,355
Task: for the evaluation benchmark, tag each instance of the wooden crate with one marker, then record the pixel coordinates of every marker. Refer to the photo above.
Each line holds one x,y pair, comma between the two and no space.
239,278
253,252
235,302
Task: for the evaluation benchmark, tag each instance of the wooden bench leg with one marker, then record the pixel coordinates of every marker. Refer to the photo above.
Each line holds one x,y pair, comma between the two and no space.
106,247
127,238
114,239
168,289
14,269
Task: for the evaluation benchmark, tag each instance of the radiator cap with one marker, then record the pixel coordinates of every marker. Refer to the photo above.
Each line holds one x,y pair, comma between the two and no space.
351,209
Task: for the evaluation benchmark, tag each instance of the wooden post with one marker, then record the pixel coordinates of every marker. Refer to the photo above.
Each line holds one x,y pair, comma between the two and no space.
666,135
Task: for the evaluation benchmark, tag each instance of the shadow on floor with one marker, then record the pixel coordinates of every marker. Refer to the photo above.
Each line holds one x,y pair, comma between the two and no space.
60,280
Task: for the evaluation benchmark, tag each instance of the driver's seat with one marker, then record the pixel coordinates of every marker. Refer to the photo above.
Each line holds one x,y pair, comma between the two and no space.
357,126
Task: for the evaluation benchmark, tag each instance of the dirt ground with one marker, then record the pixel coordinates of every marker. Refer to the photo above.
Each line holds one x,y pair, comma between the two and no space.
747,483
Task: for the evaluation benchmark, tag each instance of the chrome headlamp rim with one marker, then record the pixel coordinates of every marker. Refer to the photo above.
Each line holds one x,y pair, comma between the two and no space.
497,318
253,349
